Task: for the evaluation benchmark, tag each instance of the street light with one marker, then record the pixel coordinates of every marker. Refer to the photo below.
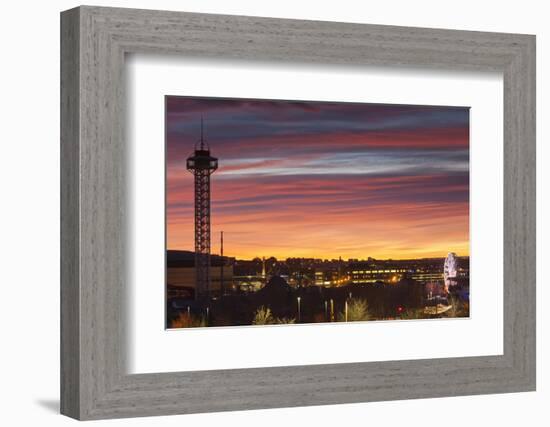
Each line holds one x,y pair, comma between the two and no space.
299,314
346,311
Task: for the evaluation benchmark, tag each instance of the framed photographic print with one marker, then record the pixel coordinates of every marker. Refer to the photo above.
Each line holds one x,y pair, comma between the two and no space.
287,213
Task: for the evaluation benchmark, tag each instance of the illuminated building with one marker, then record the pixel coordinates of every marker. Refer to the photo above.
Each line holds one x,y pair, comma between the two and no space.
389,275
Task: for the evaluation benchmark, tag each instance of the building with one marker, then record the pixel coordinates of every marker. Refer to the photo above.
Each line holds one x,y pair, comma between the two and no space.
181,275
184,278
369,274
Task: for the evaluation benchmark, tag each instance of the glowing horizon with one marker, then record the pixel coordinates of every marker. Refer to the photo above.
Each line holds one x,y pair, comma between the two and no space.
323,179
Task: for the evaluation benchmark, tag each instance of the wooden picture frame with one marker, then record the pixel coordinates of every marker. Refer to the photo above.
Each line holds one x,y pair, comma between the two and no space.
94,382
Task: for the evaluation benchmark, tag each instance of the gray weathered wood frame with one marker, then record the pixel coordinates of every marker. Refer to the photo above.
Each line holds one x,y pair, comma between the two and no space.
94,41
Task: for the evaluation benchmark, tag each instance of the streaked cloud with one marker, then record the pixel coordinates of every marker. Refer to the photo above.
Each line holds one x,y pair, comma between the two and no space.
324,179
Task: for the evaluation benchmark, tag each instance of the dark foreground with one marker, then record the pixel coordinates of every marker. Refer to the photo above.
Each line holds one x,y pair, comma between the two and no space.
279,303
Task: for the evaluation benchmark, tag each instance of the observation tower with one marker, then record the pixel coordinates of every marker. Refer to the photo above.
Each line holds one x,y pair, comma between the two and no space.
201,164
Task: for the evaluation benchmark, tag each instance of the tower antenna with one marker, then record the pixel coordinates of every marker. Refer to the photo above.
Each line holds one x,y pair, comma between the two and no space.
222,290
202,134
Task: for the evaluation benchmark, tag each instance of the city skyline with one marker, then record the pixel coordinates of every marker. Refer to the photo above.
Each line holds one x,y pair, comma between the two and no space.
323,179
320,259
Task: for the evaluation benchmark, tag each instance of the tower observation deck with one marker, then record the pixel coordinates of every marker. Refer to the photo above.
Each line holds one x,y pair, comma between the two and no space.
201,164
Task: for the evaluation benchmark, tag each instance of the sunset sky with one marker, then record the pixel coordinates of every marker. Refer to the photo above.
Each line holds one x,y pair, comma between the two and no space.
323,179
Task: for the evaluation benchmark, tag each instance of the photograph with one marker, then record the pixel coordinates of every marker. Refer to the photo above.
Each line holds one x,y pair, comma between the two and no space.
284,212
